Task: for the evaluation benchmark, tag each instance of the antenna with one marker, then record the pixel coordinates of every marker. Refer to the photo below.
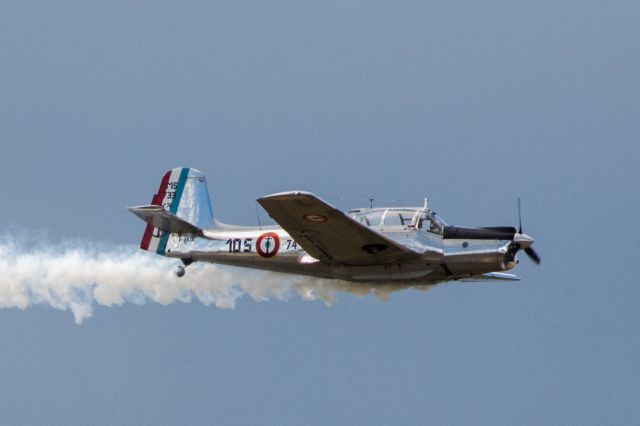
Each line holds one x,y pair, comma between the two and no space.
371,202
426,203
258,216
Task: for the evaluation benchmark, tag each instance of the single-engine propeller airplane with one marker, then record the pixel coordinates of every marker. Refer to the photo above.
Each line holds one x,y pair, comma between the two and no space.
314,238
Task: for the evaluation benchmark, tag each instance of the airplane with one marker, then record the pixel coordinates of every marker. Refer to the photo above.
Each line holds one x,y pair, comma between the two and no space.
374,245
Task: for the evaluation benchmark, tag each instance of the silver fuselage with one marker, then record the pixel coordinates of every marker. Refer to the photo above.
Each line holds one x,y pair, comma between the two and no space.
442,259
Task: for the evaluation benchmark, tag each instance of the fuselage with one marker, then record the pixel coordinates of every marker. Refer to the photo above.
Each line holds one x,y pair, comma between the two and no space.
440,257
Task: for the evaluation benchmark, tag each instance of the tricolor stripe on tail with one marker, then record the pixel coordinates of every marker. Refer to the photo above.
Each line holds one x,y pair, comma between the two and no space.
183,192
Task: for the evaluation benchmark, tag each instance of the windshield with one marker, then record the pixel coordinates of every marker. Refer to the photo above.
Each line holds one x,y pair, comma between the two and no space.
430,222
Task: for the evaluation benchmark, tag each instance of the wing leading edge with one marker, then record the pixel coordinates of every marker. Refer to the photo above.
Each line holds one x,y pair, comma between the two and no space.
328,234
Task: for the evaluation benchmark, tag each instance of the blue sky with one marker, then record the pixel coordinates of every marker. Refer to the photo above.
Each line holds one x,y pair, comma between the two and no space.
469,103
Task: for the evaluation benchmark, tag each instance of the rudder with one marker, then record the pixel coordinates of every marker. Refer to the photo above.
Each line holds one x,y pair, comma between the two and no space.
183,192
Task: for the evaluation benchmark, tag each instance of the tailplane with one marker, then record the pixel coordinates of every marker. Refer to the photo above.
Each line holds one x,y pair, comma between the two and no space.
181,205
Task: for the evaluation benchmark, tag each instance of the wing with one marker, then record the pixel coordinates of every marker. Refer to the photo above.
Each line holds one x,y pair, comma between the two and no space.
328,234
491,276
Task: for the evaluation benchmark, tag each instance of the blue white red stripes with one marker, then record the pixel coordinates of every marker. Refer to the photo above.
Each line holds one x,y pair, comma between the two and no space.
168,196
175,202
156,201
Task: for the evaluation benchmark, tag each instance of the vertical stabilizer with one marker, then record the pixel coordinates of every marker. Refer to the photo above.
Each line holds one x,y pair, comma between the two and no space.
183,192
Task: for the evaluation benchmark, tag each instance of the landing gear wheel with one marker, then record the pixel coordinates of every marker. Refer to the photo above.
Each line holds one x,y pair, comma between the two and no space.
180,271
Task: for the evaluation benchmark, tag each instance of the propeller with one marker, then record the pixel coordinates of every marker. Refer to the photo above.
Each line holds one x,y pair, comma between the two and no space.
522,238
532,255
519,217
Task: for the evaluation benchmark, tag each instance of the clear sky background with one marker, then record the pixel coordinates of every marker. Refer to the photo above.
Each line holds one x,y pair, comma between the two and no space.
469,103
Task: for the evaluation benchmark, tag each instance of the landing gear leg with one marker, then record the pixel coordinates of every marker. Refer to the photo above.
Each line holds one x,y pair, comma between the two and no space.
180,269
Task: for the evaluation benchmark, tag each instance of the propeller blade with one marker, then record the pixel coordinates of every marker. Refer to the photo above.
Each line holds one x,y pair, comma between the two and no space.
532,255
519,218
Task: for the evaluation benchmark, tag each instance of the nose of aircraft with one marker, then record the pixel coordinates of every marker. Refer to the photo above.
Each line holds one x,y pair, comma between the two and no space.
523,242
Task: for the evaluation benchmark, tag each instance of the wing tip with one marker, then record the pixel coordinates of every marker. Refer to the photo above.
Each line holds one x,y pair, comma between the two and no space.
287,195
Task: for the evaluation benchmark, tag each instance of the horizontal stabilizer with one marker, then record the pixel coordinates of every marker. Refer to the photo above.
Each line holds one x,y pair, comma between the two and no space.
165,220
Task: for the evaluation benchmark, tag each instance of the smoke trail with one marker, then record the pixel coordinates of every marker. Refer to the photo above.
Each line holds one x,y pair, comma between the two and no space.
77,276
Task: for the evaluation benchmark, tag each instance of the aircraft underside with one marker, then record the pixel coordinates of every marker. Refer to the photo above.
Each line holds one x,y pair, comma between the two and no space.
413,272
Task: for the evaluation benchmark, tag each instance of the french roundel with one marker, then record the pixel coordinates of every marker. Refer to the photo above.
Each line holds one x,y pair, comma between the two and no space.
267,244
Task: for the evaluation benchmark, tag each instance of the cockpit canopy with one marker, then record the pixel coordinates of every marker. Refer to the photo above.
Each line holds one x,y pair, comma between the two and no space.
398,219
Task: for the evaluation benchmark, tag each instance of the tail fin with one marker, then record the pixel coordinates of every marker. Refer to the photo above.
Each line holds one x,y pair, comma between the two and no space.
183,192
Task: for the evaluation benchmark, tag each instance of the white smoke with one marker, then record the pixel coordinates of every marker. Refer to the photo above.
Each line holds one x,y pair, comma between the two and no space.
78,276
